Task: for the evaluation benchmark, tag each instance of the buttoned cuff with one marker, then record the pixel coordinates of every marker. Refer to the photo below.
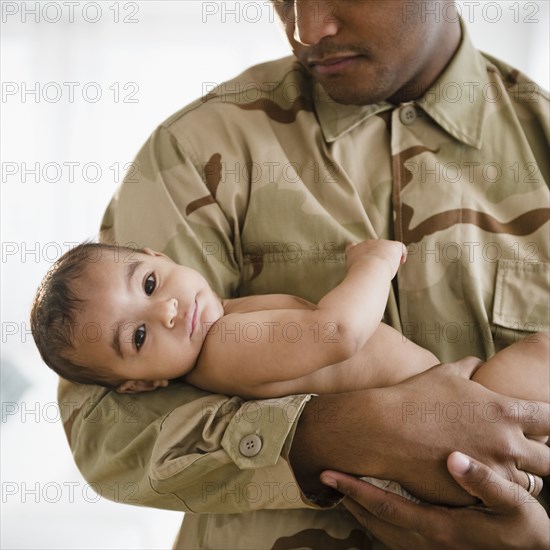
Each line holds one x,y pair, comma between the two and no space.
261,430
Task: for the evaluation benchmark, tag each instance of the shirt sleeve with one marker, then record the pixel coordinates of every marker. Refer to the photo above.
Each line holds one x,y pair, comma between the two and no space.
167,202
178,447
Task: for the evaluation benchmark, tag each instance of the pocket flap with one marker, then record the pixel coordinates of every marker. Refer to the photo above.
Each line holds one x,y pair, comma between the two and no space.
522,298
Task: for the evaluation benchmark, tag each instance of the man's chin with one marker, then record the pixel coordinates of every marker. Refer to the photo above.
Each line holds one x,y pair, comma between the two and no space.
349,95
357,89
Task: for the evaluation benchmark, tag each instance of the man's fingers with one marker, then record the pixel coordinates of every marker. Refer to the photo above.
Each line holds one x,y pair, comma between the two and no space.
532,483
497,493
465,367
391,535
387,507
536,460
534,417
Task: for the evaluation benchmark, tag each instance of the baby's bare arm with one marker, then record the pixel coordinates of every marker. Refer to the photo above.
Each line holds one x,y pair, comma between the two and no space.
247,353
357,304
385,360
259,348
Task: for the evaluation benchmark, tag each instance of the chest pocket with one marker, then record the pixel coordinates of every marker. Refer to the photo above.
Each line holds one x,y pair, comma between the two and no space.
522,301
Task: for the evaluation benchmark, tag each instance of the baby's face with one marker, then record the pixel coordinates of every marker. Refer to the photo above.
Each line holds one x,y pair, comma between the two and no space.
145,318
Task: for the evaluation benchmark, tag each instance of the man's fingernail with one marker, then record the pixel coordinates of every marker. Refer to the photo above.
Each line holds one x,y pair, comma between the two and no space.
330,481
460,463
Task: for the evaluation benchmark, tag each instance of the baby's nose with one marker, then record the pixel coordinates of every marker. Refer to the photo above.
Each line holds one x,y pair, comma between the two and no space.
171,312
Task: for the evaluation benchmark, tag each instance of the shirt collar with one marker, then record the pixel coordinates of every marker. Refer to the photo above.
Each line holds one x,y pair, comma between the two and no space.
461,116
337,119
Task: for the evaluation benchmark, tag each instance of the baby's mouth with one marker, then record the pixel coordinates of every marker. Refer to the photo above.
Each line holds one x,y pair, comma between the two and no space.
194,318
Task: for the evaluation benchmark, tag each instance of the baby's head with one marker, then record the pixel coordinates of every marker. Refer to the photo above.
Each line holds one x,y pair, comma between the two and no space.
129,320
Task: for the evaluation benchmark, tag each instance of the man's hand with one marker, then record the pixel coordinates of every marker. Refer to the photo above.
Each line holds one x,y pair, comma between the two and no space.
509,517
442,411
406,432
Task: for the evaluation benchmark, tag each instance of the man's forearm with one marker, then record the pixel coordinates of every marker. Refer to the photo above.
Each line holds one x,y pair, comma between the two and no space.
395,433
327,437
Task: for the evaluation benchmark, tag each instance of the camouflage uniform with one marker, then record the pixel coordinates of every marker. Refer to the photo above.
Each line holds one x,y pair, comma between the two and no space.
259,186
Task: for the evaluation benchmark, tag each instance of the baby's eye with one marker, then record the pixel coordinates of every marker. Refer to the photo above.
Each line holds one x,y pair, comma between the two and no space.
139,337
150,284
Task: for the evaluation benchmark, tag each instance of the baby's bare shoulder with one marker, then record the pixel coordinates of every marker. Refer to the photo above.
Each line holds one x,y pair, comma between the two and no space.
262,302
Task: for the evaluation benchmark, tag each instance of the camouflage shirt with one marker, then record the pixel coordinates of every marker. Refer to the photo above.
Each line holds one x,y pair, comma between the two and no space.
259,186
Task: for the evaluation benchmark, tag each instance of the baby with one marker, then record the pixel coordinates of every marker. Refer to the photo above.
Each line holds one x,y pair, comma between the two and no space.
134,320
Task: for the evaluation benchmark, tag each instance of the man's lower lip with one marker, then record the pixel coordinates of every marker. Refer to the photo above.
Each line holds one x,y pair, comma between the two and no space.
337,67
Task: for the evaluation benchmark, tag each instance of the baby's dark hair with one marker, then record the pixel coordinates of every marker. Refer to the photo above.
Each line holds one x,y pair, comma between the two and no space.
55,309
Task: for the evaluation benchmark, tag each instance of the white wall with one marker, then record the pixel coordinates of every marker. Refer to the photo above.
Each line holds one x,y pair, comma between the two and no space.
164,51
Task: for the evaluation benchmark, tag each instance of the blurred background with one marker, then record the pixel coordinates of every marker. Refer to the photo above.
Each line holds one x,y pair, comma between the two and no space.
83,85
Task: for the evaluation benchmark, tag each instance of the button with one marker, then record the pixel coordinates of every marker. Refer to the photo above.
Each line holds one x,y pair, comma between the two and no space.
407,114
250,445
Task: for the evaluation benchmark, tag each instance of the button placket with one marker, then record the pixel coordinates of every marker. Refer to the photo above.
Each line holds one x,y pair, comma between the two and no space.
408,114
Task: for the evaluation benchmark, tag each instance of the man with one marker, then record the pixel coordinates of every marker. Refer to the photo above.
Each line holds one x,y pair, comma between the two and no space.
259,186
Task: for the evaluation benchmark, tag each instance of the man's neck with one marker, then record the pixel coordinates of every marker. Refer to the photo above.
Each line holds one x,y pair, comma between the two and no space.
445,47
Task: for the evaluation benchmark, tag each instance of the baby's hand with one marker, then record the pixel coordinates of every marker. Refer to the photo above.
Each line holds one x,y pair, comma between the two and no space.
393,252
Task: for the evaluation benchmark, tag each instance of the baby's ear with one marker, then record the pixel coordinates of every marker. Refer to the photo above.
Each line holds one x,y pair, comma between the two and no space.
137,386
